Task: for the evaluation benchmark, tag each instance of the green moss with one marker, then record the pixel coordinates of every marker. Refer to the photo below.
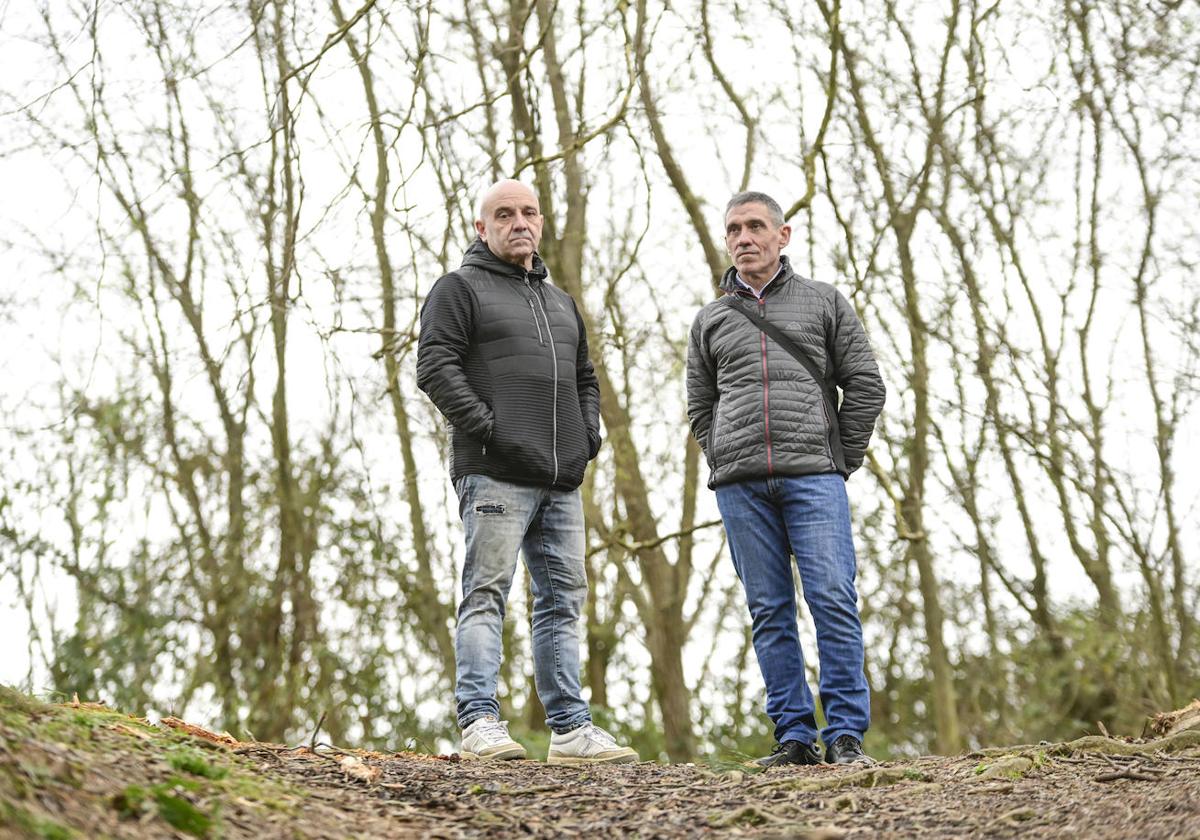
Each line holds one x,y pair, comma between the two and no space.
188,778
63,730
14,783
190,761
18,702
278,796
182,814
31,824
129,802
175,810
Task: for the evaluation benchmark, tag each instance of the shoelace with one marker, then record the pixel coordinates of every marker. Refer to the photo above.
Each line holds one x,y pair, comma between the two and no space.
848,744
599,735
492,729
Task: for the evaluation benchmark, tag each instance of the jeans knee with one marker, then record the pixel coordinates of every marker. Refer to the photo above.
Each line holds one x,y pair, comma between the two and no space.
486,600
833,600
770,610
575,590
565,601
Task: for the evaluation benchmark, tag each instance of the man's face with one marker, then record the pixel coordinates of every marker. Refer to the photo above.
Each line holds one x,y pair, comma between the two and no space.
754,241
511,223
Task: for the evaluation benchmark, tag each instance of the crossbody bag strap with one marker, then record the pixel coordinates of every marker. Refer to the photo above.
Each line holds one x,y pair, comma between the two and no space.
783,340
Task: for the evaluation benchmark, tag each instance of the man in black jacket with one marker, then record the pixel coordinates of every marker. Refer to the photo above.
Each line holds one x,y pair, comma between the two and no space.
779,449
504,356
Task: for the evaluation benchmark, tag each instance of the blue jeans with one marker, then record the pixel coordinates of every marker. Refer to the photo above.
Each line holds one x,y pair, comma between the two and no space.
547,526
808,517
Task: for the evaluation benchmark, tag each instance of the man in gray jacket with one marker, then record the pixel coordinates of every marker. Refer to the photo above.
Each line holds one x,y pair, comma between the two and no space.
779,450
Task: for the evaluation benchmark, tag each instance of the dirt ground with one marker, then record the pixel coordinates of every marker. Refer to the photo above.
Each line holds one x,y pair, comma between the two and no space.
84,771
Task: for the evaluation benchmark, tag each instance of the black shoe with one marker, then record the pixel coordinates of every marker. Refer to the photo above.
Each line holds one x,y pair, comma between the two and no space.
846,749
790,752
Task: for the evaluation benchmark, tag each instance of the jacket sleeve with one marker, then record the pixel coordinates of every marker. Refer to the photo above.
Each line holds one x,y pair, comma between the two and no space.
589,390
447,324
701,385
857,374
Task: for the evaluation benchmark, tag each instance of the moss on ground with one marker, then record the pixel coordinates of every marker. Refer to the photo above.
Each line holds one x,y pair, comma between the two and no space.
32,825
61,765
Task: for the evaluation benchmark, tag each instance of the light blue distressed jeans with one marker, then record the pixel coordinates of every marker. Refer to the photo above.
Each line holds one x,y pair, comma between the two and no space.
808,517
546,526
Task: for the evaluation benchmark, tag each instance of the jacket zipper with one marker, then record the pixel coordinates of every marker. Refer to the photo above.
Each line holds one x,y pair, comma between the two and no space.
536,322
554,361
762,313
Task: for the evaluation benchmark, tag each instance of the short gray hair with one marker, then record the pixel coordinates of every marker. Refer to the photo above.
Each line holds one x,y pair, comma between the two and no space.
751,197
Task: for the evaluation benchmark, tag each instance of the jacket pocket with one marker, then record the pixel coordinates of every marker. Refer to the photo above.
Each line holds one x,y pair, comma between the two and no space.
709,447
523,420
572,446
828,431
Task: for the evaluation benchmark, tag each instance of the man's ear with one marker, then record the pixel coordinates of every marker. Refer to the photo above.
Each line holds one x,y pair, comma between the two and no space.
785,233
480,229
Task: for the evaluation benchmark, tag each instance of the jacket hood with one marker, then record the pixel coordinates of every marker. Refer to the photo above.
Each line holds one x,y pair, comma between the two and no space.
730,285
481,256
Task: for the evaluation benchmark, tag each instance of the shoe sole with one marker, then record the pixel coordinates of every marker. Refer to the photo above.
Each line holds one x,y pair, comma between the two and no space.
622,757
503,754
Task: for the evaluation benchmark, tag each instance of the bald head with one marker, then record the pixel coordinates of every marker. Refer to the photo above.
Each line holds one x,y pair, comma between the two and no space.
500,189
510,222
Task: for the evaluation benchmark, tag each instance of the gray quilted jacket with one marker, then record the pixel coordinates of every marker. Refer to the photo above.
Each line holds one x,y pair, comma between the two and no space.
754,409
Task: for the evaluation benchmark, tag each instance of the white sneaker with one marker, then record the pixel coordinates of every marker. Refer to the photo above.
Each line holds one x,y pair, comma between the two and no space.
488,738
589,744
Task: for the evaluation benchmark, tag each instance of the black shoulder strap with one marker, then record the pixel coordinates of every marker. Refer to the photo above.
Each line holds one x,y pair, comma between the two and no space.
783,340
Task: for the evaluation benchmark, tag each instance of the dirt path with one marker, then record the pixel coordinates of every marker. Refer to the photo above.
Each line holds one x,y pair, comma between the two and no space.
1074,794
83,771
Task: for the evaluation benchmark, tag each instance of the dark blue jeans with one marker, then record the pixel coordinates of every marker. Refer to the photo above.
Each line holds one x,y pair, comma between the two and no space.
546,526
809,517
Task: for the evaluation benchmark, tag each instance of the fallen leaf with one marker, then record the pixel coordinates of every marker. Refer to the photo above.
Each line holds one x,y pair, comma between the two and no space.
356,769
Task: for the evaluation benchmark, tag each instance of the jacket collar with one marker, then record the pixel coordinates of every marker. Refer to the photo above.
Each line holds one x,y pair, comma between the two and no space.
731,286
481,256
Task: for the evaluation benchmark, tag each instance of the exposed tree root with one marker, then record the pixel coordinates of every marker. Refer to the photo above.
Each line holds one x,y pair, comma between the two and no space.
1099,744
750,815
873,777
1008,767
1180,741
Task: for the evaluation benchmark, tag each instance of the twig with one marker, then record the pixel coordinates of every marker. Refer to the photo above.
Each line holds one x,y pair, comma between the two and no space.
331,748
616,538
1129,774
331,41
312,744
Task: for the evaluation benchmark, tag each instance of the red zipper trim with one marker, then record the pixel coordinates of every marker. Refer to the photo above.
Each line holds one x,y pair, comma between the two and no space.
766,393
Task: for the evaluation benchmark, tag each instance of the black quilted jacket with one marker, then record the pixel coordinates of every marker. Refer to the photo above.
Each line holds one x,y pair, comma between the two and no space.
754,409
504,356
